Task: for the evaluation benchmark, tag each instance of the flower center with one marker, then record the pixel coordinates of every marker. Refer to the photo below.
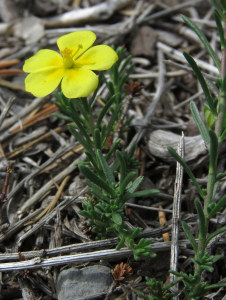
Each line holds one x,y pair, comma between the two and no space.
68,56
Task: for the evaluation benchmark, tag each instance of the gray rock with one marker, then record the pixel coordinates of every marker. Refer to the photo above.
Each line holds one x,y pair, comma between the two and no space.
87,283
144,41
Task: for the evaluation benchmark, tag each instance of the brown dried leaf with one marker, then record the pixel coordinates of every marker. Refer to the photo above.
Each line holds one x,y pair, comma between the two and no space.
120,272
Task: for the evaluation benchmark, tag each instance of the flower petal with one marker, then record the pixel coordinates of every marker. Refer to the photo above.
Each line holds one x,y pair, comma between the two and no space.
43,58
74,40
42,82
97,58
78,82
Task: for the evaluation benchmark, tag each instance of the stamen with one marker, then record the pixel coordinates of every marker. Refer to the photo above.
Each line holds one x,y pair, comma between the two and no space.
80,46
68,57
66,53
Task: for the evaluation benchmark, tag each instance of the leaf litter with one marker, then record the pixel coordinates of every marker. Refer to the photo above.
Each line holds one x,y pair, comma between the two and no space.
39,157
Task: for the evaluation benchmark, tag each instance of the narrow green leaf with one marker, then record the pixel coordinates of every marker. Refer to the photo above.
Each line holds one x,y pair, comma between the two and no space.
202,81
147,242
222,137
117,219
199,122
122,81
218,9
61,107
127,60
78,136
135,184
62,117
217,207
116,164
104,110
212,235
96,90
130,69
223,3
92,158
95,179
121,243
187,169
111,123
217,257
190,236
136,232
107,157
109,84
220,29
213,151
132,150
103,130
176,273
97,138
115,74
80,126
141,194
212,87
58,97
84,214
204,40
215,189
85,105
126,181
75,104
207,268
220,176
215,286
169,285
122,166
202,224
107,170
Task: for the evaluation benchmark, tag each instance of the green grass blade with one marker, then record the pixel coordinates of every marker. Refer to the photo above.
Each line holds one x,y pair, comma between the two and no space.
141,194
213,151
80,126
218,9
190,236
202,224
78,136
122,166
204,40
202,81
97,138
104,110
135,184
126,181
220,29
217,207
95,179
107,170
111,123
199,122
212,235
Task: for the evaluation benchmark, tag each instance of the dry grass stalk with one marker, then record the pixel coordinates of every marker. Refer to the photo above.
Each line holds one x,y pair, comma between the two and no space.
19,150
52,204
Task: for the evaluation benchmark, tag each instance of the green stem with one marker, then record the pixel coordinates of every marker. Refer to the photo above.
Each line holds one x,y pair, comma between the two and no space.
222,98
213,167
210,186
221,115
223,60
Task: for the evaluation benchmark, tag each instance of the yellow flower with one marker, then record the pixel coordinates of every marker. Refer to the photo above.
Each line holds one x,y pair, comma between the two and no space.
72,67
